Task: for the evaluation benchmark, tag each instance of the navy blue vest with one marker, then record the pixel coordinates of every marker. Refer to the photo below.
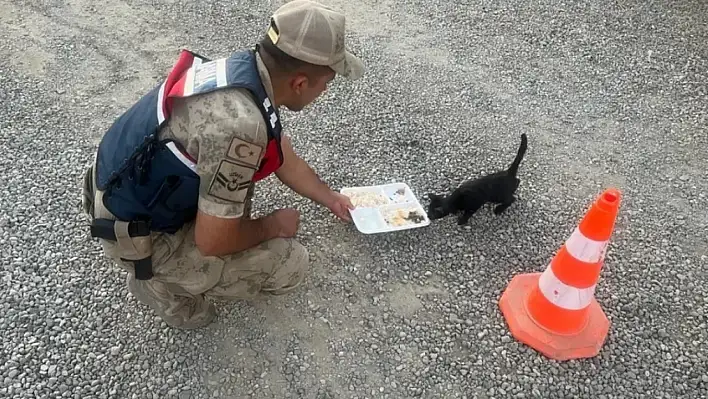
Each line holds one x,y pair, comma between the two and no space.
142,178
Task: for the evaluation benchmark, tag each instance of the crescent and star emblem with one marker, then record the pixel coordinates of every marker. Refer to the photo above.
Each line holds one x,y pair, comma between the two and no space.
243,151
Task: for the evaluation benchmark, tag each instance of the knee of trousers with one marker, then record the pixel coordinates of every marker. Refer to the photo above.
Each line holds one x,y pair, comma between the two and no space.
296,258
293,265
175,307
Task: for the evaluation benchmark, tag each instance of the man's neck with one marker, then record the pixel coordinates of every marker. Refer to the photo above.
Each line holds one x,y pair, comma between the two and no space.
276,83
278,92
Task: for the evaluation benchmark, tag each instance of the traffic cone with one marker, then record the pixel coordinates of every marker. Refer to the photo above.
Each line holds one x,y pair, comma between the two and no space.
555,312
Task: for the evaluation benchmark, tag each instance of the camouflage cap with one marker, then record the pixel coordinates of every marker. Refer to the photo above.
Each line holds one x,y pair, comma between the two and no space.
314,33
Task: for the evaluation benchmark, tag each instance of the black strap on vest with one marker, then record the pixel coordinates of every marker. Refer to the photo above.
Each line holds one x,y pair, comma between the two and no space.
104,228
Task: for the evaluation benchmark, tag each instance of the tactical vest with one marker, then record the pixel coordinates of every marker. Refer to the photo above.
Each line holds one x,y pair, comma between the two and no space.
148,179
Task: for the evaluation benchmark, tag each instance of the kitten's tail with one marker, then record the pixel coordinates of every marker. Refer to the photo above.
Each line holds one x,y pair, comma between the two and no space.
514,167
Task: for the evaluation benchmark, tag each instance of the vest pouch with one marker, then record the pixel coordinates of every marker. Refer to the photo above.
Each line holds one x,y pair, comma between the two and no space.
176,194
166,193
171,189
168,187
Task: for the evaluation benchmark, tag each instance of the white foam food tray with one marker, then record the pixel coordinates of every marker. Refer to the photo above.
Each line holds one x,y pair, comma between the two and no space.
385,208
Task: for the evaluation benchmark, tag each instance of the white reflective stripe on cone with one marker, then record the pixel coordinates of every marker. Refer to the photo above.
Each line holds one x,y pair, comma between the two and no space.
160,103
563,295
585,249
221,72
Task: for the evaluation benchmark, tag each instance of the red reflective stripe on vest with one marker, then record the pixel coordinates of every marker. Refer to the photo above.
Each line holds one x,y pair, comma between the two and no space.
271,161
174,84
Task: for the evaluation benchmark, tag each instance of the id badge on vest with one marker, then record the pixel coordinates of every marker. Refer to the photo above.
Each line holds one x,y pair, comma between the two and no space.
205,76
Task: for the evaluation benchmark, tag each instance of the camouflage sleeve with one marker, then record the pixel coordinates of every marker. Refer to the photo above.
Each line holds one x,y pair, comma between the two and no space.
230,148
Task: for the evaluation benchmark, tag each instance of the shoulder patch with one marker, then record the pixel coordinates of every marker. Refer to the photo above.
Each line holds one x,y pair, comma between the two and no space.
231,181
243,151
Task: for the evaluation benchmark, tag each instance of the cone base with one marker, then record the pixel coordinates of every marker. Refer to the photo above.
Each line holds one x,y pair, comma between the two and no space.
587,343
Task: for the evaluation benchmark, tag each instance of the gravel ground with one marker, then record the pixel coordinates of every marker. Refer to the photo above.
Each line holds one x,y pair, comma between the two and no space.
610,94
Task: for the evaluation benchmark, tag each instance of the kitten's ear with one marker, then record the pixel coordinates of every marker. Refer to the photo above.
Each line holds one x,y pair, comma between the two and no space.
434,198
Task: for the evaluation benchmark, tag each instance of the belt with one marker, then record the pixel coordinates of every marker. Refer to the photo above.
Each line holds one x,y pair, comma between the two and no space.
133,238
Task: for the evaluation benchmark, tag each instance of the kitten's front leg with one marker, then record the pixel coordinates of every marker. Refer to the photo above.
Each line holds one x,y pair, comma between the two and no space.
470,209
464,218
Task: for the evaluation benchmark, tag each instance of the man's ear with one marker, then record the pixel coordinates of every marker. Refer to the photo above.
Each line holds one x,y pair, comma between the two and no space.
298,83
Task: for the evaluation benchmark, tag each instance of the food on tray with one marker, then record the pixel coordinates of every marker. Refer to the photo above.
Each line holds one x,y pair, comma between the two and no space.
399,195
402,217
366,199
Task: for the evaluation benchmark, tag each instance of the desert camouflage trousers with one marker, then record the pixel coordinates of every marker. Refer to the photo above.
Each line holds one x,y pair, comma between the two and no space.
185,280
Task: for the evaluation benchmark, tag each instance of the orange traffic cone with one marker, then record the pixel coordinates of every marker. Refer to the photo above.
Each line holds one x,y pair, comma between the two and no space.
555,312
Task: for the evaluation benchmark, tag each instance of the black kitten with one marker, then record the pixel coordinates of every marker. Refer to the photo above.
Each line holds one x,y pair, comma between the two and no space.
496,188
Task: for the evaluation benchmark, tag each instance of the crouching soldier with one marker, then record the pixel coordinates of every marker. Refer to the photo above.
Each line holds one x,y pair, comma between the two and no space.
169,192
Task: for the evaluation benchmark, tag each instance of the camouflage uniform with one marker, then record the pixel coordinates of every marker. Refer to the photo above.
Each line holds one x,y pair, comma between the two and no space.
209,126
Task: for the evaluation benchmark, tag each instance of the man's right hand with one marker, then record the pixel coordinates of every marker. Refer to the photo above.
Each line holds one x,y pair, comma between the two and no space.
286,221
